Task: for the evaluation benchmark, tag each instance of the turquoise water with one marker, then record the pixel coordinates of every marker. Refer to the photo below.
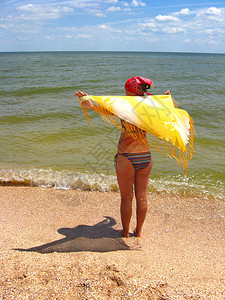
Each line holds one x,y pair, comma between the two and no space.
46,140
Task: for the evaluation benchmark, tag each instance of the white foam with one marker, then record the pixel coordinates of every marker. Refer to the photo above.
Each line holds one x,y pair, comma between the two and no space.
193,185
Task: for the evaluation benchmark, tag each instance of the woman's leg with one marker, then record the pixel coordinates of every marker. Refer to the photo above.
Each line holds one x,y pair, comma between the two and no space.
140,185
125,176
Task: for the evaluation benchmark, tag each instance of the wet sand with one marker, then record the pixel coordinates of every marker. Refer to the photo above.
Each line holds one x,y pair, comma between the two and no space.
65,245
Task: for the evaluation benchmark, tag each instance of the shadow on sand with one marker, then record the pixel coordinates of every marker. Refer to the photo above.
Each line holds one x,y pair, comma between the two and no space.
100,237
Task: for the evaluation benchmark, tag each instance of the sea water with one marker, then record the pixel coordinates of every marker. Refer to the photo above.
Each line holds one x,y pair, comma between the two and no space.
45,139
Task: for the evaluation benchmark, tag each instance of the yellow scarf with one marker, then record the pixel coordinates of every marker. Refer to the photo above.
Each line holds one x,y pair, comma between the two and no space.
170,129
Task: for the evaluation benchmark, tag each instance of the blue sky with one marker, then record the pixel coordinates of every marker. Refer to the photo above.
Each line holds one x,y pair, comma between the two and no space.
112,25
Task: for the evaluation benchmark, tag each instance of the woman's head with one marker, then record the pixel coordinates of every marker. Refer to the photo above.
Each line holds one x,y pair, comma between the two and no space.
137,85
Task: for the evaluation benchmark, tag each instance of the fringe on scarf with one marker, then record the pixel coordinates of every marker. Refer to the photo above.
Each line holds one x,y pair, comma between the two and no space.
162,146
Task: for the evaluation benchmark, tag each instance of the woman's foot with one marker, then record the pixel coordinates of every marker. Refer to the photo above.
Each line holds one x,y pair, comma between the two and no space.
138,233
123,233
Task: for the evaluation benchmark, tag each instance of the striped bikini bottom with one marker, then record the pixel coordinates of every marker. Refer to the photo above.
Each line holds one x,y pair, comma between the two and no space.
139,160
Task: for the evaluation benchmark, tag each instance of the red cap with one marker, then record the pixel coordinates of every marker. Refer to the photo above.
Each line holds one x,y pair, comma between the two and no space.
133,85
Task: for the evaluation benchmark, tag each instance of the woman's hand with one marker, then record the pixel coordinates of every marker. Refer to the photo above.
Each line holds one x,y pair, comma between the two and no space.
80,94
87,103
167,92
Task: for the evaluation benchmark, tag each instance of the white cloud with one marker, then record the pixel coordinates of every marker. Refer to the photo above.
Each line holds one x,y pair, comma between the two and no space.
106,27
116,30
113,8
148,25
38,12
214,11
125,4
113,1
84,36
184,11
212,14
137,3
127,9
49,37
211,11
100,14
173,30
215,31
207,42
68,28
103,26
161,27
213,42
83,4
3,26
164,18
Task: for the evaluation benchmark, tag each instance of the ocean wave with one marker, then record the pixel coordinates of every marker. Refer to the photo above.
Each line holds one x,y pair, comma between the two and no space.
30,91
63,179
67,180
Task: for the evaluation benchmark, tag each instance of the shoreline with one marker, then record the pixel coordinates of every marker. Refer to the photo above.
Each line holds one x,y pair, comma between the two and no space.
194,185
65,244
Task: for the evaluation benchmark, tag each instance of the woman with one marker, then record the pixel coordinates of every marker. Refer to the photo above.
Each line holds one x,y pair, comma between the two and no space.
133,161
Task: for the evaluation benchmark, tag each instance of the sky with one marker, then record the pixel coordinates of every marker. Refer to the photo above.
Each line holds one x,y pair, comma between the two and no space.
112,25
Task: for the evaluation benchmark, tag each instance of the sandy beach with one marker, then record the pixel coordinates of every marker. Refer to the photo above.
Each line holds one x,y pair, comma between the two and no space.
59,244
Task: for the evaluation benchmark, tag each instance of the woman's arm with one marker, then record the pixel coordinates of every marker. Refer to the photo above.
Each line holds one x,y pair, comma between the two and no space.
87,104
